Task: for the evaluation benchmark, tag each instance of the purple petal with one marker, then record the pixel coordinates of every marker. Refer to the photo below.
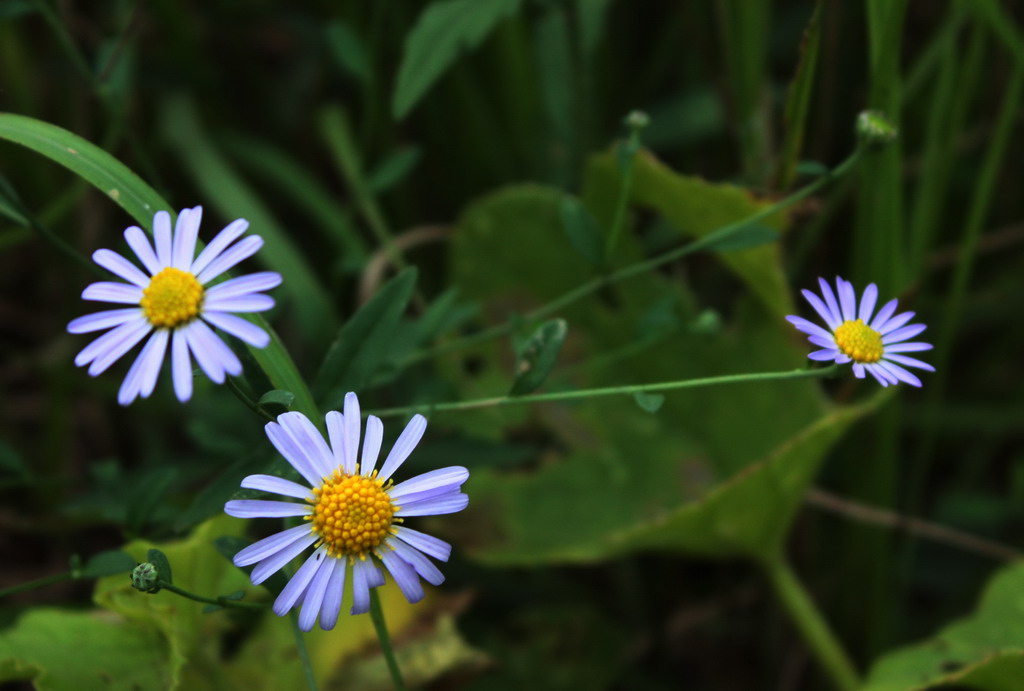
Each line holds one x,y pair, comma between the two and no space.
116,264
315,594
830,300
186,230
350,439
823,311
244,285
287,447
108,340
141,378
336,435
277,485
847,299
238,327
360,585
858,370
238,252
878,373
254,302
134,332
213,356
449,479
137,240
108,291
162,237
309,441
181,366
404,446
430,573
98,321
900,373
884,314
298,583
824,342
446,503
867,303
224,238
907,347
909,362
265,508
809,328
895,323
269,546
823,355
272,564
332,598
371,444
903,334
404,575
428,544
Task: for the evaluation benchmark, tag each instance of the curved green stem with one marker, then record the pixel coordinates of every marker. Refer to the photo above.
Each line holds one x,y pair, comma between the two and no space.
610,391
377,615
38,583
247,400
812,625
300,644
596,284
220,601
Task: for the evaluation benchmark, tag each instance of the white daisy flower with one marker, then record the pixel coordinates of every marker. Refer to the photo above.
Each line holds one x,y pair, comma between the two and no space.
873,345
170,301
353,513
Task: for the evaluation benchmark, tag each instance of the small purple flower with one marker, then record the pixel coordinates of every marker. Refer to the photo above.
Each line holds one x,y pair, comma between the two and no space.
354,515
170,301
873,345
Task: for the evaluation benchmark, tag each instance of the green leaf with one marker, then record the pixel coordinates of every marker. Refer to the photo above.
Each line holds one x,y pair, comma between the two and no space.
348,50
233,198
651,402
365,342
278,397
443,30
582,230
163,566
982,651
106,564
393,169
10,205
740,238
798,101
146,496
538,356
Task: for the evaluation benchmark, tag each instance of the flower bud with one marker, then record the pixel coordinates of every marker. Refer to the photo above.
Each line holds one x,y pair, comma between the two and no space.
145,577
875,130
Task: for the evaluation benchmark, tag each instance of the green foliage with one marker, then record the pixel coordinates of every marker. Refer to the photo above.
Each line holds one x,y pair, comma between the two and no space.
444,29
982,652
537,356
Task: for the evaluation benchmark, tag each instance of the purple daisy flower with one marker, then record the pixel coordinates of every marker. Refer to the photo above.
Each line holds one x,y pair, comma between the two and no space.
353,513
170,301
873,345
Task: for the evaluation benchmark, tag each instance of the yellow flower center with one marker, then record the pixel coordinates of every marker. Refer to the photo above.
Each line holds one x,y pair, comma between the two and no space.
352,513
859,341
173,297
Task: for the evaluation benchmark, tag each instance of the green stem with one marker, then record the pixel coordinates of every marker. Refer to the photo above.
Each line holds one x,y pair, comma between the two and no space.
377,615
247,400
221,601
38,583
596,284
811,624
300,645
611,391
636,121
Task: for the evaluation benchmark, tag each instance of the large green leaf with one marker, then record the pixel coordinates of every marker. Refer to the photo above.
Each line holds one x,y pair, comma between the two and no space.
984,651
696,208
443,30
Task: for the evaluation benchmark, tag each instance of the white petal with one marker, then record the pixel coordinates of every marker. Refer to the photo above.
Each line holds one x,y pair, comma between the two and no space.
111,339
867,303
451,477
287,447
244,285
139,243
102,320
404,446
134,332
162,237
428,544
351,436
240,328
265,508
299,582
404,575
269,546
272,564
332,597
116,264
315,592
277,485
217,245
186,230
336,436
108,291
435,506
371,444
254,302
424,567
213,356
181,366
310,442
230,257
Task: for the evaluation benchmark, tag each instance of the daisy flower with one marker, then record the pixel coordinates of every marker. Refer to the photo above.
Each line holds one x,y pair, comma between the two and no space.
172,305
353,515
874,345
